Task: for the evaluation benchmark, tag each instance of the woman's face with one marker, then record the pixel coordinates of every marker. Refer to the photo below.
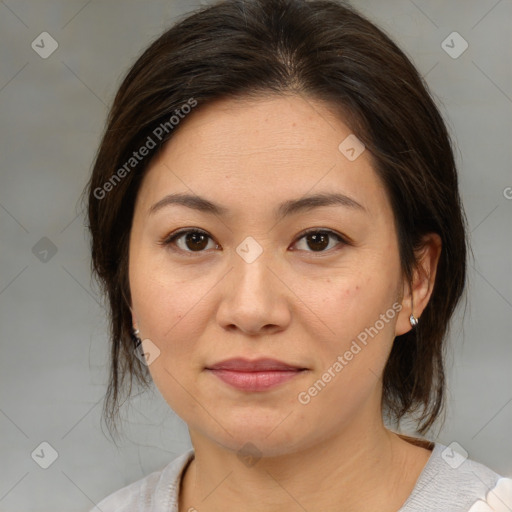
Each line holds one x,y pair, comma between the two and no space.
255,286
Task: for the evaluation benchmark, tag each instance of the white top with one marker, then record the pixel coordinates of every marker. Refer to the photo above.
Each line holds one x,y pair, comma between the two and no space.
448,483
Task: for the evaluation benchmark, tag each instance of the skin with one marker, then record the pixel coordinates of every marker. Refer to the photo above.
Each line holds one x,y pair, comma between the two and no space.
295,302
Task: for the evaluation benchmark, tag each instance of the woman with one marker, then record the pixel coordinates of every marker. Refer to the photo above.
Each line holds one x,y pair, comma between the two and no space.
276,221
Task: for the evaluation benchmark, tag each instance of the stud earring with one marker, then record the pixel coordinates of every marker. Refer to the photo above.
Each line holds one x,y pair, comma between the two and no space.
135,336
413,320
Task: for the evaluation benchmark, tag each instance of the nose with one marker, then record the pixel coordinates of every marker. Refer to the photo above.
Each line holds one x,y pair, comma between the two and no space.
255,300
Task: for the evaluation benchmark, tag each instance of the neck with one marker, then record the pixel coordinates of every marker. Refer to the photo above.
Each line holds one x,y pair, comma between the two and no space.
347,472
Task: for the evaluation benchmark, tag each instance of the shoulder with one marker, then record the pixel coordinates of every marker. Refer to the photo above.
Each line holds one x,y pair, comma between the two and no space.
154,493
451,483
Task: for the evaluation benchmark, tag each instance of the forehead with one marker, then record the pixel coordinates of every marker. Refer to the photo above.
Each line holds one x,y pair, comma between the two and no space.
262,150
252,129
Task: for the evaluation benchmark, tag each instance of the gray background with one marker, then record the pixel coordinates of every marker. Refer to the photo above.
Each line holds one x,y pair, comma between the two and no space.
53,328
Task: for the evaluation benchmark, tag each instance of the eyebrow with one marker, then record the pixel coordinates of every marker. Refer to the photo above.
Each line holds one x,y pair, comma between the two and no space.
290,207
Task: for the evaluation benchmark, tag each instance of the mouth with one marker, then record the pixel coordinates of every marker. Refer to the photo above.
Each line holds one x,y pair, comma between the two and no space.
258,375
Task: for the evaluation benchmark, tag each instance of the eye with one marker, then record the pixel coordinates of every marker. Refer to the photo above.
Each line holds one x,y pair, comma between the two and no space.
196,240
319,239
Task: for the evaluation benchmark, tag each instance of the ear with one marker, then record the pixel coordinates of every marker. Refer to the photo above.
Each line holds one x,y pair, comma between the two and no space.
417,294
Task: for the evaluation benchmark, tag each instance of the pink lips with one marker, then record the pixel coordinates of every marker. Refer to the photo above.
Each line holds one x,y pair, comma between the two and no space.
258,375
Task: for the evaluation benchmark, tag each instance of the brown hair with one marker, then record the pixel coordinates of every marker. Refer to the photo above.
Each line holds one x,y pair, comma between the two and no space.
320,49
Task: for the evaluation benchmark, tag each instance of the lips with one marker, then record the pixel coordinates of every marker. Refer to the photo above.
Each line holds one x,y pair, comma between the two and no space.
240,364
258,375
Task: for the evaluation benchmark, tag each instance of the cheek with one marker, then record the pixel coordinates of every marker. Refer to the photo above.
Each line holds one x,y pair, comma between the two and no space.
174,307
361,312
350,363
353,302
170,315
167,309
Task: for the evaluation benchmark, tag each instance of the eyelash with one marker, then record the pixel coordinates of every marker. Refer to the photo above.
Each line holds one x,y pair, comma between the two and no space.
169,240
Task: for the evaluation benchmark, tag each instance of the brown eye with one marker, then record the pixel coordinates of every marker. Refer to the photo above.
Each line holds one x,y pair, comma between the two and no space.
191,240
194,240
319,240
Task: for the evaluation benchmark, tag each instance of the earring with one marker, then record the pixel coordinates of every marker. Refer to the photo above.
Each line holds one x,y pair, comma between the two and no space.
135,336
413,320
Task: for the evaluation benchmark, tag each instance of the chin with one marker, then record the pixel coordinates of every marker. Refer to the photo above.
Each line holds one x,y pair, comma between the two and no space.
258,446
253,435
